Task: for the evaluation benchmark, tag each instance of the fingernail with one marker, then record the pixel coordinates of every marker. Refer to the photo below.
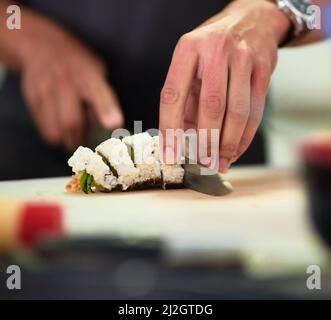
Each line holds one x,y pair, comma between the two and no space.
224,165
205,161
210,163
114,120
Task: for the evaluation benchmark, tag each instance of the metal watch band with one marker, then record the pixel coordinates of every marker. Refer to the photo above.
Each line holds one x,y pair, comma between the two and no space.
297,12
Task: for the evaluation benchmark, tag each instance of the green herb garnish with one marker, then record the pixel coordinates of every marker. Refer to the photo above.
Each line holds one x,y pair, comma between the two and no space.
131,151
86,182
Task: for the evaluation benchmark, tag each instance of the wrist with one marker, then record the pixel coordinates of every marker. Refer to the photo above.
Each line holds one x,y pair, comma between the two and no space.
280,23
271,17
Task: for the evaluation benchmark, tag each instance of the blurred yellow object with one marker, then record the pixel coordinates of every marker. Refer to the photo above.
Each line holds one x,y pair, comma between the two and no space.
9,217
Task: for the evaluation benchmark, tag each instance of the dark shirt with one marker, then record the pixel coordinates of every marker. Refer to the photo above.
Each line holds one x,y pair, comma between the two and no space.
136,40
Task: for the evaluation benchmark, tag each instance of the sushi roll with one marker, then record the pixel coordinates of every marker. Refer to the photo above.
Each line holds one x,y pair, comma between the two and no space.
145,157
172,175
91,173
129,164
117,156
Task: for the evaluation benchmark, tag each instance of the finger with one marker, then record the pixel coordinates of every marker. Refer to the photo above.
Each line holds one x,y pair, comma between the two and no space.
175,93
96,92
70,114
212,104
238,109
260,83
43,109
192,106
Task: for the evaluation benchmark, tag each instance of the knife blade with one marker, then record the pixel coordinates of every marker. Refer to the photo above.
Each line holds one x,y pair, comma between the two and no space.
204,180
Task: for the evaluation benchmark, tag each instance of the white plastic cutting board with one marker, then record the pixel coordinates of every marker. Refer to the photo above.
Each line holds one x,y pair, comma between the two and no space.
264,217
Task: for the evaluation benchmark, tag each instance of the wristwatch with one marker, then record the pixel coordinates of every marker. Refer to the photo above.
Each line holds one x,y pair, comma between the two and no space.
299,12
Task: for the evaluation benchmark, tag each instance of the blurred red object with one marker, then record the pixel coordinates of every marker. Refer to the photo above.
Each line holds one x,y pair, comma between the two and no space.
316,150
39,221
316,154
27,224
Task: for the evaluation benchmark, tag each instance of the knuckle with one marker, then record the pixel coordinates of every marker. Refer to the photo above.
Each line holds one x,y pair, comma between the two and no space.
185,38
228,38
264,68
218,43
244,56
256,116
216,36
213,106
244,143
187,41
169,96
239,113
228,150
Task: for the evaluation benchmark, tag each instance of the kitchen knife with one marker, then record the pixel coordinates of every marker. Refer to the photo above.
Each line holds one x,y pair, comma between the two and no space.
205,180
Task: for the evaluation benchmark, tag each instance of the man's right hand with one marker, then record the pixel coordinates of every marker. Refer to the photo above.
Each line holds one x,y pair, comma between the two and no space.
60,78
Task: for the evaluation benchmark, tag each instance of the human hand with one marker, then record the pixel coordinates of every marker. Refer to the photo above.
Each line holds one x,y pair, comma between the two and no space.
220,73
60,78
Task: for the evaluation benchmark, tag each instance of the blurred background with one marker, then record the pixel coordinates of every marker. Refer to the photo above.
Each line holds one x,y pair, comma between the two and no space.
300,100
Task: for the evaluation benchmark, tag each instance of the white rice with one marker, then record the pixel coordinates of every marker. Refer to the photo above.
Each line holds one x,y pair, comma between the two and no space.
146,157
117,154
171,174
84,159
